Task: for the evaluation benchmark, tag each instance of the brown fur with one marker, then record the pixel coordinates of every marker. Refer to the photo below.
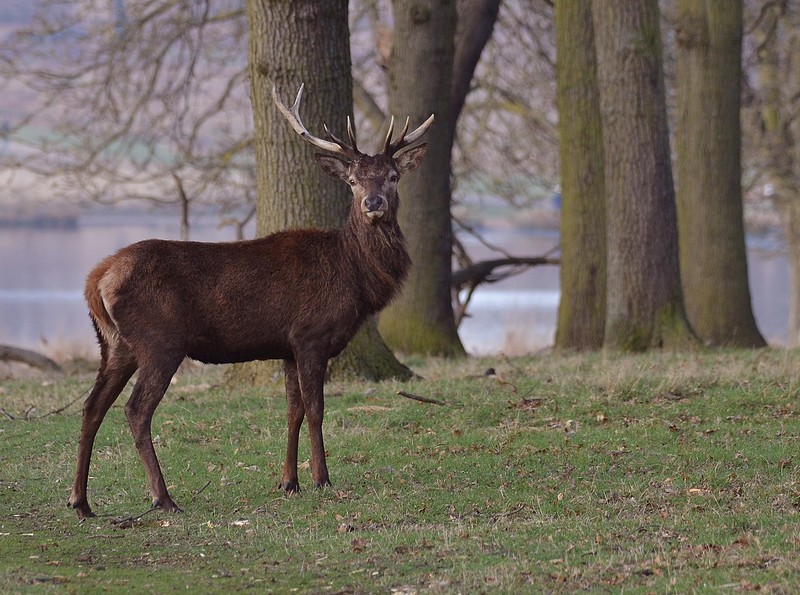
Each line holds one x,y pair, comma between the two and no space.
297,295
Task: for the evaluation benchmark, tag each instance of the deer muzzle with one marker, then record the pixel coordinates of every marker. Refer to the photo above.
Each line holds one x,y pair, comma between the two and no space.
374,207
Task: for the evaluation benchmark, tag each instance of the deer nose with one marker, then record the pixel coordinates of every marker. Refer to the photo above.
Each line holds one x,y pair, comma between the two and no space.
374,202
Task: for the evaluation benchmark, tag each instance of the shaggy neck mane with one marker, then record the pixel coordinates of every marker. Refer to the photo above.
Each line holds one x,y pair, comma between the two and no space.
378,256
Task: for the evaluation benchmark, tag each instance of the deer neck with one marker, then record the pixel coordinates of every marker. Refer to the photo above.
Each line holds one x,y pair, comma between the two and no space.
378,257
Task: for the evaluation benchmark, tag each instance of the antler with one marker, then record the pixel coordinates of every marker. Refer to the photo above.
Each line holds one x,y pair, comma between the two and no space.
391,147
335,145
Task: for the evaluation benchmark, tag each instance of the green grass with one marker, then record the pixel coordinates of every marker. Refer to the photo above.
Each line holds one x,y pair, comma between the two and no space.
653,473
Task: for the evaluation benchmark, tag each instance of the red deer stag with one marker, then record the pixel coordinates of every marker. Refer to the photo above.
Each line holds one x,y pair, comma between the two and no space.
295,295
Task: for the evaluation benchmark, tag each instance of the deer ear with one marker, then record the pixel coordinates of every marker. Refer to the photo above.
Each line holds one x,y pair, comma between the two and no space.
410,160
335,167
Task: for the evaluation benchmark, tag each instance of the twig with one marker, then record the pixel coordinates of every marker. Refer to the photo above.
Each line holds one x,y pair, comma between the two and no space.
7,414
403,393
520,507
60,409
200,491
127,523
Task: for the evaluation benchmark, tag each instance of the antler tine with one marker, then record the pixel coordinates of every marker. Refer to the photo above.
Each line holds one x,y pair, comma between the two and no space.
351,134
292,115
387,142
405,129
404,139
350,149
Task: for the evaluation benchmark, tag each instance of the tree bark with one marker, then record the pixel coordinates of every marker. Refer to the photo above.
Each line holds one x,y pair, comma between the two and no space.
294,42
708,173
582,308
421,319
644,305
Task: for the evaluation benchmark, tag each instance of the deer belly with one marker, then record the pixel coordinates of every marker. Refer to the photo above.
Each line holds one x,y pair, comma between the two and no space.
228,348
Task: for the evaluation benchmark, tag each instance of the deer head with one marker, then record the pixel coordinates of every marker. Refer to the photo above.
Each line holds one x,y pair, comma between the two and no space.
372,178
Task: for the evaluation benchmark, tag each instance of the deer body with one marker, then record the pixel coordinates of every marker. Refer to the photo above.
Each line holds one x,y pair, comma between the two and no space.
243,301
297,295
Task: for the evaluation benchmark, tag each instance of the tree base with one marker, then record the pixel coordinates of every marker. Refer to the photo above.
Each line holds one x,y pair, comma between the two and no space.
411,335
669,330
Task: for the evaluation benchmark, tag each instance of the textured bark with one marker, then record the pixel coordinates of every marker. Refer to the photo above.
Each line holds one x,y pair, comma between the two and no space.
421,320
294,42
708,173
582,308
644,306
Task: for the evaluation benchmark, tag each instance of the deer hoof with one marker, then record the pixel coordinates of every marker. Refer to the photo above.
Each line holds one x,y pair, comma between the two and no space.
166,504
290,487
82,509
326,483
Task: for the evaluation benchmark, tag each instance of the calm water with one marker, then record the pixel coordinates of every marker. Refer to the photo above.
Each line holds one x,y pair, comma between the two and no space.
42,274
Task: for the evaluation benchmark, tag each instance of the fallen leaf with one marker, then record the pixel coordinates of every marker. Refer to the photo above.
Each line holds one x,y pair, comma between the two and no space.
698,491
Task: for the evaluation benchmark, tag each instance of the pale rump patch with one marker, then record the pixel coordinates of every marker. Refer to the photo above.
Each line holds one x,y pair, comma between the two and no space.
101,287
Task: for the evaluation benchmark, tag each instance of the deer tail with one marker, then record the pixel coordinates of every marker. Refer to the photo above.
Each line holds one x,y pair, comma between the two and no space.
98,303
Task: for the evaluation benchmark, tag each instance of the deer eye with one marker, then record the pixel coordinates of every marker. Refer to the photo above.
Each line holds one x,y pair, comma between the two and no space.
351,180
393,177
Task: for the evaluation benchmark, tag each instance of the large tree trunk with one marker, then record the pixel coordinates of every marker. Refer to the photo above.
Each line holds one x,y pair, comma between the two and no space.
582,308
708,173
644,305
294,42
421,319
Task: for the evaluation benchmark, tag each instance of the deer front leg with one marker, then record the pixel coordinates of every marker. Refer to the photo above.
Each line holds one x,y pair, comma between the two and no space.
295,411
311,373
146,395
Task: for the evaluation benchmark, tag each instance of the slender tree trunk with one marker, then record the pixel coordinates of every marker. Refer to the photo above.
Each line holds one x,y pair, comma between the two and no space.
793,135
792,234
708,173
644,302
294,42
582,309
421,319
183,200
779,81
474,25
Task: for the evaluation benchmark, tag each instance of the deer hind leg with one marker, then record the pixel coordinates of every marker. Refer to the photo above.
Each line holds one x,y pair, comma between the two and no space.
295,411
116,368
311,373
147,393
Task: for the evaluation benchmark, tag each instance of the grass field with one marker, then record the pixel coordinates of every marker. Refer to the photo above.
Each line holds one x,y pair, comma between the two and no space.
652,473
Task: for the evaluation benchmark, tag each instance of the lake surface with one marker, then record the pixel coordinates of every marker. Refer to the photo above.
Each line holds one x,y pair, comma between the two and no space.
42,274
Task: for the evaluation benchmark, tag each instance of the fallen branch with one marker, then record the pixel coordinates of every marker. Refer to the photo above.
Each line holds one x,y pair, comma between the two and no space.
26,356
403,393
